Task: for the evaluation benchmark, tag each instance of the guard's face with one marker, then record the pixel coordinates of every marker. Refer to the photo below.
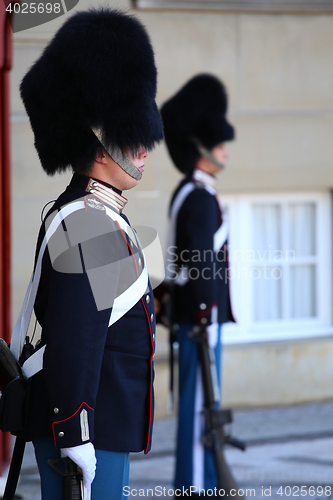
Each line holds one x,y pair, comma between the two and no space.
220,153
138,160
121,179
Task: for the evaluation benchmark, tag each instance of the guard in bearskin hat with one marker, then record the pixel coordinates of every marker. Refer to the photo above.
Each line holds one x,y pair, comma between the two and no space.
90,98
196,130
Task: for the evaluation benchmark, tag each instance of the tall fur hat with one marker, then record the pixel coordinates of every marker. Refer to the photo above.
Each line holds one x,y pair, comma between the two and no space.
98,73
196,113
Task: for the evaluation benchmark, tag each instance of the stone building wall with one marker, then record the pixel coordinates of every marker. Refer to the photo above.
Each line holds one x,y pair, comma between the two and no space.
278,69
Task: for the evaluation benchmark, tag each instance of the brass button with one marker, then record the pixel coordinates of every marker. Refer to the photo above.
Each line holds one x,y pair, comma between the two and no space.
139,261
56,410
147,299
61,434
203,306
203,321
152,318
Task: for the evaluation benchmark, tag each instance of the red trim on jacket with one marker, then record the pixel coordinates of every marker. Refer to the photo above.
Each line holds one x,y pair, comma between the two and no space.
151,372
68,418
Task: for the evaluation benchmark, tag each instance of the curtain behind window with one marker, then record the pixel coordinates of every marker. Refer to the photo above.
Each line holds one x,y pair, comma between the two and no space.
284,237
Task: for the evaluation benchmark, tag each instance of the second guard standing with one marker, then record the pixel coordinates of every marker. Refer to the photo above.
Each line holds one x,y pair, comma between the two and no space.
196,130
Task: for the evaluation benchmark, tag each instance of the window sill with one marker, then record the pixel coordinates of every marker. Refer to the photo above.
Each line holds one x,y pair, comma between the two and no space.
233,334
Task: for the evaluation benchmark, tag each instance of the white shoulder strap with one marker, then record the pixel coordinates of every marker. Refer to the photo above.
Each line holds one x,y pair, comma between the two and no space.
22,323
132,294
221,235
172,225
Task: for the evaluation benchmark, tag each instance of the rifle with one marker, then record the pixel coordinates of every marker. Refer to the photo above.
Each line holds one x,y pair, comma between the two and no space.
14,470
72,477
215,418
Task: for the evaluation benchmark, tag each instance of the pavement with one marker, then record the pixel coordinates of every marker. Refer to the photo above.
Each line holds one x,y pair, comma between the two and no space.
289,454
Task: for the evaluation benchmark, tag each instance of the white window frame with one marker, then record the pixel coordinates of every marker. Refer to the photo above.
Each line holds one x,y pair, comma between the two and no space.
241,239
288,6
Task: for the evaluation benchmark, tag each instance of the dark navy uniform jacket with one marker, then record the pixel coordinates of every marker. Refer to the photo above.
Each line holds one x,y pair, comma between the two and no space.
197,260
97,380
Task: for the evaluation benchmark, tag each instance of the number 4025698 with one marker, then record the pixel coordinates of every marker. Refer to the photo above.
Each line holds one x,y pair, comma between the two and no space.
34,8
302,491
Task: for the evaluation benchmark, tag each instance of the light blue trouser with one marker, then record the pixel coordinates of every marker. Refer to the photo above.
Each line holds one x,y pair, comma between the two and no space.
186,456
112,473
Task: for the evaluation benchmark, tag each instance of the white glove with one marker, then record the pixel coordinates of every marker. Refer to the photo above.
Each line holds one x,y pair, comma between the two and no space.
84,456
212,334
87,492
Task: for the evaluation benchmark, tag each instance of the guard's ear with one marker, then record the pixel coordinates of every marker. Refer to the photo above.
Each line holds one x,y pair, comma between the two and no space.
101,155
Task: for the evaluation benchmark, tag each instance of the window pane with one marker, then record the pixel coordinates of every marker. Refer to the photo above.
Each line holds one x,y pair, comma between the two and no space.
267,230
303,291
267,293
302,229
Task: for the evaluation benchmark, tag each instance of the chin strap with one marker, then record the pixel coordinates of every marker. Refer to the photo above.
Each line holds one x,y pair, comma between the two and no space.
118,156
205,152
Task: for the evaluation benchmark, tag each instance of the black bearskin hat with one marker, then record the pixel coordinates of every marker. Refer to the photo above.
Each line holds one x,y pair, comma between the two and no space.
97,73
196,113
